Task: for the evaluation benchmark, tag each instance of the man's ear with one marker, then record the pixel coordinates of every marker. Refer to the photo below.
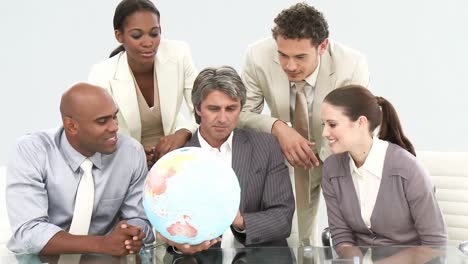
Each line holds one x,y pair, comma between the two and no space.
197,110
70,125
118,36
323,46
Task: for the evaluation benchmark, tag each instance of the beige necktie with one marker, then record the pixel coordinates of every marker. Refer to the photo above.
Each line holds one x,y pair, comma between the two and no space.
301,176
84,201
301,113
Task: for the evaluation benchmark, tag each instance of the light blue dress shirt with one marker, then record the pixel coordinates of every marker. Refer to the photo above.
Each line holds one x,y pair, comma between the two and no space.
42,180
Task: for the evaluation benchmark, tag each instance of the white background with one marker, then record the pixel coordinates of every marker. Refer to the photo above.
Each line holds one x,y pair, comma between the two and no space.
417,53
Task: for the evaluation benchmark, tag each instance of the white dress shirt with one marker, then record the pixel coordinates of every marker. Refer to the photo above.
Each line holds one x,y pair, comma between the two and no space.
367,178
224,152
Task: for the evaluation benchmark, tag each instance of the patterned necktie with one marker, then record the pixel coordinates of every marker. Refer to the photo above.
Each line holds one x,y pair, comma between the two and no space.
301,113
84,201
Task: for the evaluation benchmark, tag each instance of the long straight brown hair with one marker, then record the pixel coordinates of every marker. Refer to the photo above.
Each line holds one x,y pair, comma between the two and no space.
358,101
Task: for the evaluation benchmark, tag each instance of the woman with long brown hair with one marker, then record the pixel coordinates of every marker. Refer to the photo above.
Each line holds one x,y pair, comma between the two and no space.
376,191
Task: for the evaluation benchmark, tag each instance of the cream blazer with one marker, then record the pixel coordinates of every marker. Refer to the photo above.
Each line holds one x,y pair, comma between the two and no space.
265,80
175,73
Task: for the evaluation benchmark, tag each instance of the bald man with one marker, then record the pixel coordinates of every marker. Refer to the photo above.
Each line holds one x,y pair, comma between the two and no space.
44,174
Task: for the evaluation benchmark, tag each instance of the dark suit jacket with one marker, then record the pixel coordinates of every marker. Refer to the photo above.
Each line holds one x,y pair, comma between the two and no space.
267,200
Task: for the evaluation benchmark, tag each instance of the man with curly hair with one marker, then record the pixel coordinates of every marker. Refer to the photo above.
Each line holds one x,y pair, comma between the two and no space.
298,55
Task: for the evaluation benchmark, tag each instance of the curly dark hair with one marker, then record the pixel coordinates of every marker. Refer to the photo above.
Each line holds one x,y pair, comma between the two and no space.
301,21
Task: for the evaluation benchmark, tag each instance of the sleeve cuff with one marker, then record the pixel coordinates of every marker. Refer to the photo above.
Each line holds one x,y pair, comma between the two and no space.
239,231
39,239
149,235
173,250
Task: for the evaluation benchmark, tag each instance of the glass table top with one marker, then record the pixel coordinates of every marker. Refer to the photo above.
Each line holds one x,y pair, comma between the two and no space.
301,255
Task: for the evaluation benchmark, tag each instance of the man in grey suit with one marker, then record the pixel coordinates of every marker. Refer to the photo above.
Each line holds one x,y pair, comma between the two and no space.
299,55
266,209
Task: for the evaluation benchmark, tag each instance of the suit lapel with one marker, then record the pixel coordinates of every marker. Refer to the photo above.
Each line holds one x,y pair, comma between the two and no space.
325,84
241,159
193,142
168,83
280,90
124,94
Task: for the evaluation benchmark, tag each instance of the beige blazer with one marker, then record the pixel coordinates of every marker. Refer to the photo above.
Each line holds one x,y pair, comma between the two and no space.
265,80
175,73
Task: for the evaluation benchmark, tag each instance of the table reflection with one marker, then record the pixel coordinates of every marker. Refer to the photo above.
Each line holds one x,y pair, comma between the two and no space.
284,255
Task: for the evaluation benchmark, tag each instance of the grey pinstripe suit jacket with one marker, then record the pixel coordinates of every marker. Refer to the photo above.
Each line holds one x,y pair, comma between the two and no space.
267,200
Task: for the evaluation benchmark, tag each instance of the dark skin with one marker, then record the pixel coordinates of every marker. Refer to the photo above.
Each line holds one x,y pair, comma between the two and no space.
89,121
145,79
123,240
142,31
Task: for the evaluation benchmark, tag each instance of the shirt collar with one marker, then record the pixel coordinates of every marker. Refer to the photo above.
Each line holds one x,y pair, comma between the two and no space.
226,146
375,160
75,158
312,78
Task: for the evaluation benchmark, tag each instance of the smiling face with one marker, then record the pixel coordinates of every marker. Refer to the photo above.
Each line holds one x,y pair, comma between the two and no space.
298,57
342,133
140,37
98,132
219,114
90,120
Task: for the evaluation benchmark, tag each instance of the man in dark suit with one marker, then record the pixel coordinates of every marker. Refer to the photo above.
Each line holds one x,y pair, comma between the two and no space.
266,209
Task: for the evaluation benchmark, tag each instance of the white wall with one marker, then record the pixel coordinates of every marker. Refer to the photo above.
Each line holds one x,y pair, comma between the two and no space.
416,51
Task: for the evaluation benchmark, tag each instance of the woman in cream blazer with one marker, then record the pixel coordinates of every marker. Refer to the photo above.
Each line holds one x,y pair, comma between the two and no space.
146,63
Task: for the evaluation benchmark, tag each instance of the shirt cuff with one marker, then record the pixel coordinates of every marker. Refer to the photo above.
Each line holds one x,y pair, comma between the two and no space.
239,231
173,250
146,227
35,239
